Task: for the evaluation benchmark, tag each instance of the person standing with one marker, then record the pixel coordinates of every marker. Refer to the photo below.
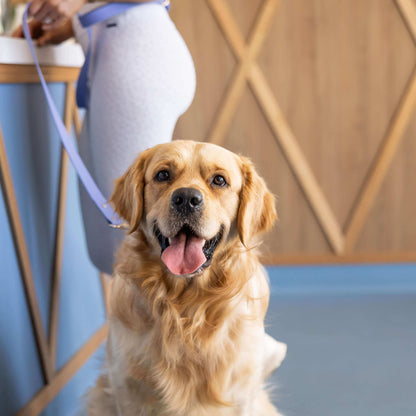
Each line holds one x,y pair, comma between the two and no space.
141,79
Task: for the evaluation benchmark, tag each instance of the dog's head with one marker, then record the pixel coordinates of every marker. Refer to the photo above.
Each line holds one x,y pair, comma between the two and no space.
191,200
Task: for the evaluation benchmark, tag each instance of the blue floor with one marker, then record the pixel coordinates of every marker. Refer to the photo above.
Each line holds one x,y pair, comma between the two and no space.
351,336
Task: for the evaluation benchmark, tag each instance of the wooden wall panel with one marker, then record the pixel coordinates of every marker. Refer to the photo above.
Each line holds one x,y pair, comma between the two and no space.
245,14
214,67
338,78
331,96
251,135
392,224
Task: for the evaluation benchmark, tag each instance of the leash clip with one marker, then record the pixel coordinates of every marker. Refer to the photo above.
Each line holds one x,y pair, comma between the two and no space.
123,226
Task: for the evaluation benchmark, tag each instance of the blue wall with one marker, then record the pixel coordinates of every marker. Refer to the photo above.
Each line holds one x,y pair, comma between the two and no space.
374,279
32,147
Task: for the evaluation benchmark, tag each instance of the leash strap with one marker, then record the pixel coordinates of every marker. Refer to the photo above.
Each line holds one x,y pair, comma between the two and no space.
89,19
67,142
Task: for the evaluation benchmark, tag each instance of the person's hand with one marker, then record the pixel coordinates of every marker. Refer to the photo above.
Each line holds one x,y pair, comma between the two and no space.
46,37
54,13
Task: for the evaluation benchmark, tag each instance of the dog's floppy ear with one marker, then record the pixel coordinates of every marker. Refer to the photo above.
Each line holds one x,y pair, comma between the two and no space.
128,194
257,211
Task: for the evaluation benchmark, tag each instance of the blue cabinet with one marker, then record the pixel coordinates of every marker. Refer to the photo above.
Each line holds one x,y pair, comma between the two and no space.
43,365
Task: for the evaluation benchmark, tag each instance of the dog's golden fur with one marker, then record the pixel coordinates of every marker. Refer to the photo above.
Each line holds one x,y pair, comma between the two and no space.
190,345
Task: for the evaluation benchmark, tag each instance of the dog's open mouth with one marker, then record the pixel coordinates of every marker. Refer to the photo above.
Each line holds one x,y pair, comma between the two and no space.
187,253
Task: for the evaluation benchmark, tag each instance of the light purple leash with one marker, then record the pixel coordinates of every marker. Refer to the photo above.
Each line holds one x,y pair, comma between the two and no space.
91,187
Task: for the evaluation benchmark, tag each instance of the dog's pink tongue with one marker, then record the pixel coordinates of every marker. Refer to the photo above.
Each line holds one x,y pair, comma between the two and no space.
184,255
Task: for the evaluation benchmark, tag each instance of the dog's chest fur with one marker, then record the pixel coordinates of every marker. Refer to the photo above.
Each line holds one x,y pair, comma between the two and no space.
188,360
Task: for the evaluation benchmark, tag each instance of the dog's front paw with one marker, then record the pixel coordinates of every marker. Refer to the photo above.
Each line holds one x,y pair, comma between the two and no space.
274,354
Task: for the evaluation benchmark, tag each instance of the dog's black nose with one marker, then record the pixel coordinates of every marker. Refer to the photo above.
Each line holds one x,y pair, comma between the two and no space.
187,200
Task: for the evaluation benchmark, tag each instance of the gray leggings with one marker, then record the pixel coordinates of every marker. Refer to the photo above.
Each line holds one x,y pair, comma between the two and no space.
142,79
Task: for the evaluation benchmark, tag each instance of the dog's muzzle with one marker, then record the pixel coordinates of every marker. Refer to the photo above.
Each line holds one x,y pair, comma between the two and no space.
184,250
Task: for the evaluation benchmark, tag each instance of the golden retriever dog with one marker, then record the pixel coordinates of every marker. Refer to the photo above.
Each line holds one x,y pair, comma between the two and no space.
189,296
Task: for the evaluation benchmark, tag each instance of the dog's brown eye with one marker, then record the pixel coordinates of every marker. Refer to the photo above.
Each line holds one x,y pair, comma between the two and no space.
219,180
163,176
